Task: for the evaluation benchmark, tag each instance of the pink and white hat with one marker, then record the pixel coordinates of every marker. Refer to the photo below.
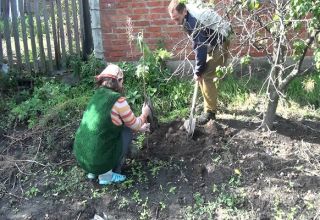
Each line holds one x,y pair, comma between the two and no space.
111,71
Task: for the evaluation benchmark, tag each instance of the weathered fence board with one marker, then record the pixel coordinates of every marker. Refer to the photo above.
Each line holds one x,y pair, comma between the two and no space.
40,35
81,23
15,32
46,26
54,35
32,38
68,27
1,34
1,50
7,35
24,36
76,28
37,12
60,24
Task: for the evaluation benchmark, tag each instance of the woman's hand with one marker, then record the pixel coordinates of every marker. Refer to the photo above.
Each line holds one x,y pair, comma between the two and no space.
145,127
146,110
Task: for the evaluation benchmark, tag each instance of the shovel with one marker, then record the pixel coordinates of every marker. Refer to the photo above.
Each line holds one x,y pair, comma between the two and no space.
190,124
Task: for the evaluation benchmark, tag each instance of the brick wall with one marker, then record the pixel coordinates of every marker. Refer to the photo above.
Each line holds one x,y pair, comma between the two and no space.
149,16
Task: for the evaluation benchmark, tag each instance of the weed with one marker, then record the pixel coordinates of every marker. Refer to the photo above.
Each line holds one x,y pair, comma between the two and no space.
123,203
156,166
136,197
66,182
145,213
140,140
137,171
98,193
279,213
172,190
32,192
162,205
127,184
217,159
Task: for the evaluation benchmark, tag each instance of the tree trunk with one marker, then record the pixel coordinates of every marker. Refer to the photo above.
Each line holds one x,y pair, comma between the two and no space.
270,113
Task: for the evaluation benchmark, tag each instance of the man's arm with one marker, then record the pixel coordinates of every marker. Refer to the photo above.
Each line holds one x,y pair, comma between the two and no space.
201,56
200,48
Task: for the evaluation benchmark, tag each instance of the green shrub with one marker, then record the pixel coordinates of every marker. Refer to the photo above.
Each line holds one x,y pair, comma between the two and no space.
305,90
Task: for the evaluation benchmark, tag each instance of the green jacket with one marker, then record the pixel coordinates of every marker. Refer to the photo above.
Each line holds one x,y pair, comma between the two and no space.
97,144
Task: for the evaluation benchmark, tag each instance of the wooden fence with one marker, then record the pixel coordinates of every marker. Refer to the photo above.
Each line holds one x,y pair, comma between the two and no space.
40,35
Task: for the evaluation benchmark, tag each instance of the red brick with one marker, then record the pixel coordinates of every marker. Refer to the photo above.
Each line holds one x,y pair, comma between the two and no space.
162,10
137,17
141,23
155,4
141,11
138,5
153,17
118,17
119,30
161,22
153,34
117,53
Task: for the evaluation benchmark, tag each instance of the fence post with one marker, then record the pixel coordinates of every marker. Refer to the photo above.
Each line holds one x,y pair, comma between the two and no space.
14,14
87,34
61,30
7,33
57,53
24,35
37,8
1,32
96,29
32,38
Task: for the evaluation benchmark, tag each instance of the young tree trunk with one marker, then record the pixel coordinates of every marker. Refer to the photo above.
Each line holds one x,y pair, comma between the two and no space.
270,113
273,89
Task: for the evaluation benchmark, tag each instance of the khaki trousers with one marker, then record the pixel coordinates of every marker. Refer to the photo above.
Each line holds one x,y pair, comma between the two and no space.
218,57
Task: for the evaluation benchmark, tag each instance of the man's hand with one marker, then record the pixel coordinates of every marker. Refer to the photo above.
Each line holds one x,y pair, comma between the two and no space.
197,78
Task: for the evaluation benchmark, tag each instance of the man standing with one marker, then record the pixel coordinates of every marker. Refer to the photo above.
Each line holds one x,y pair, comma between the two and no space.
209,33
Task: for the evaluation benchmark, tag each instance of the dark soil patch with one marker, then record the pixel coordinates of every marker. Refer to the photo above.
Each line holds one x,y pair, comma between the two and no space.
227,170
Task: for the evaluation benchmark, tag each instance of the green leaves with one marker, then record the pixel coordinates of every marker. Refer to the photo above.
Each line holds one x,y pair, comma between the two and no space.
245,60
224,70
298,48
142,71
251,4
254,4
317,58
183,1
162,54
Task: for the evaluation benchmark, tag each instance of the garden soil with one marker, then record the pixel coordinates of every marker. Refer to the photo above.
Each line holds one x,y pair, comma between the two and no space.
228,169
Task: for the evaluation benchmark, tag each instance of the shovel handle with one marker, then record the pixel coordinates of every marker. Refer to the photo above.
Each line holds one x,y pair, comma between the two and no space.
194,98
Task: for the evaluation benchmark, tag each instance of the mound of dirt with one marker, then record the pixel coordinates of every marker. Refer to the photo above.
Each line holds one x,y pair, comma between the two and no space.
171,140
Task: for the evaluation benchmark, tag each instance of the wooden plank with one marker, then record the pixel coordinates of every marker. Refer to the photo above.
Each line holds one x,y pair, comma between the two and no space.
54,34
75,25
81,25
1,50
15,32
46,26
24,35
7,35
63,44
1,33
32,38
68,26
37,12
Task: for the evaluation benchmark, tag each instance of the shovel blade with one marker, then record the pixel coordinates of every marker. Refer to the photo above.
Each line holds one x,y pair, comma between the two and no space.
190,125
